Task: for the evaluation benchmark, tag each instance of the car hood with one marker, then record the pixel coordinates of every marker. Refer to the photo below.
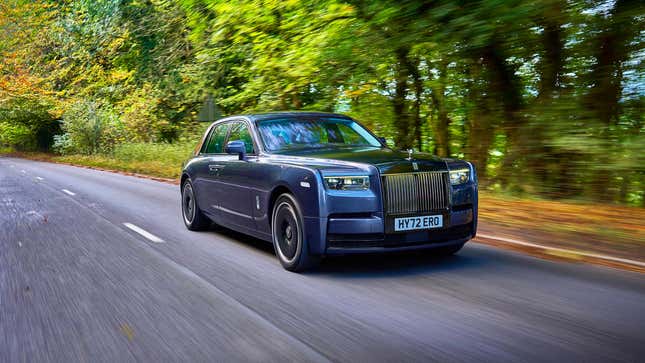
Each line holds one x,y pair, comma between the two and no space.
388,161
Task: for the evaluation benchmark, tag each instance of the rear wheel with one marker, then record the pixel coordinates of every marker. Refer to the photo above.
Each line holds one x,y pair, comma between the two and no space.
193,217
289,242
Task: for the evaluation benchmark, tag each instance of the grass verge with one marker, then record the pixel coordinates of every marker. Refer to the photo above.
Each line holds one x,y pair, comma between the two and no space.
600,228
157,160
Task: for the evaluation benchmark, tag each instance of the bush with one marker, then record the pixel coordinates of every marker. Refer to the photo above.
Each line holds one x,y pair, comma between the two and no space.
91,127
140,118
62,144
18,136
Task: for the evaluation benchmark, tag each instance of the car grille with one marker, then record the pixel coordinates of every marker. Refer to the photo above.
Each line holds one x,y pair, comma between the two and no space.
415,192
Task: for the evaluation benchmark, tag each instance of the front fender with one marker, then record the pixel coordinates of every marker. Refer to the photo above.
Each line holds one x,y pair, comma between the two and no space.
306,186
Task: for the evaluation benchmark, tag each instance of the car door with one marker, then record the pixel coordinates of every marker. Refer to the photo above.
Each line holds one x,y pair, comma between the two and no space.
236,179
212,156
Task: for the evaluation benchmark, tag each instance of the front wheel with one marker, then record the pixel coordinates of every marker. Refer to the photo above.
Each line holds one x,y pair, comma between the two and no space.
289,242
193,217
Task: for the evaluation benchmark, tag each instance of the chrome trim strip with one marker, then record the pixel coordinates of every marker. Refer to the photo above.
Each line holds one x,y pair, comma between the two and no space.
232,212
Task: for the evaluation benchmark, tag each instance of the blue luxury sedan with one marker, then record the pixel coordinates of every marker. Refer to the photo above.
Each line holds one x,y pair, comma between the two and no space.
317,184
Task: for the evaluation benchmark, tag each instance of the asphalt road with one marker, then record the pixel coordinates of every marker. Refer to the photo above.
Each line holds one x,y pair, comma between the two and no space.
76,284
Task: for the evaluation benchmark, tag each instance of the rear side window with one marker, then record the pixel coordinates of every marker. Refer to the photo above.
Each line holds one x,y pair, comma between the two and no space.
215,143
240,131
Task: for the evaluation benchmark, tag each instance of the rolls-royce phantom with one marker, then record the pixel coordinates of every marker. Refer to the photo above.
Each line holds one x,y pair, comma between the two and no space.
317,184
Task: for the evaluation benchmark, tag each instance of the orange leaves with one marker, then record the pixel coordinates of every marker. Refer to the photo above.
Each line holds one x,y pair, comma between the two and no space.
21,23
16,79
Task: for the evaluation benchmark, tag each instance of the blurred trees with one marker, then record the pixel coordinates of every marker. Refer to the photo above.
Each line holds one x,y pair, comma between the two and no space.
546,97
27,112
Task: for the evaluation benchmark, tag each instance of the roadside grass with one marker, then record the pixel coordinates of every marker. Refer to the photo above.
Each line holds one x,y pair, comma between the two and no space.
6,150
152,167
158,160
602,228
610,229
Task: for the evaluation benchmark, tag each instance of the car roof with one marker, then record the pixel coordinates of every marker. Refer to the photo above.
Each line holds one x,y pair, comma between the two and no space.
291,114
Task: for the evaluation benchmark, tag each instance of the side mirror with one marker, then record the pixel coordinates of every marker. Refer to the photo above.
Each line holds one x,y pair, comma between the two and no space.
382,140
236,147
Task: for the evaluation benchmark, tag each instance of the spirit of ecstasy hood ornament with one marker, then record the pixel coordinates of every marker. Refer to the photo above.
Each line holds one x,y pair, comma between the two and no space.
410,152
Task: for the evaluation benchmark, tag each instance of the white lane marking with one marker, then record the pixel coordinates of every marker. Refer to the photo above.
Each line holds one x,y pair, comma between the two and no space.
144,233
39,178
19,244
23,171
68,192
563,250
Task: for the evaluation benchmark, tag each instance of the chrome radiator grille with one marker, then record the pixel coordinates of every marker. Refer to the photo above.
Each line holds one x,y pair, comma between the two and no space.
415,192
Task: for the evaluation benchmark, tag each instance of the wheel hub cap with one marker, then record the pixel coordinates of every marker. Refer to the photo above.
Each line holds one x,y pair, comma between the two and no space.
288,234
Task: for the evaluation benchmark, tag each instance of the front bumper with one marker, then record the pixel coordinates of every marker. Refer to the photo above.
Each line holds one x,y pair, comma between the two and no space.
396,248
347,234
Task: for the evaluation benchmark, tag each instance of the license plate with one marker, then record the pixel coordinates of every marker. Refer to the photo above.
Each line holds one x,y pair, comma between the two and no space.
421,222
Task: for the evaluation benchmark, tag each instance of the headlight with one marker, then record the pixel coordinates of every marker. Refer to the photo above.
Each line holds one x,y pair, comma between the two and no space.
347,182
460,176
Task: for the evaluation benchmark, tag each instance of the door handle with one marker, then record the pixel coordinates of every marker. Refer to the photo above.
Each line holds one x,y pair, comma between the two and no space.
215,167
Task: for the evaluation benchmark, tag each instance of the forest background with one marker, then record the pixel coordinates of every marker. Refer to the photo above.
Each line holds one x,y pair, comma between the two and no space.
545,97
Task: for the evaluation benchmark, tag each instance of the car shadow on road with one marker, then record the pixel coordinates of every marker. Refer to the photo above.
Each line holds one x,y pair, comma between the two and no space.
396,264
246,240
374,265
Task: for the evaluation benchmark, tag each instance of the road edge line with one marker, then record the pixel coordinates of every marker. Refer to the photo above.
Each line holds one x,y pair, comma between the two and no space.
564,250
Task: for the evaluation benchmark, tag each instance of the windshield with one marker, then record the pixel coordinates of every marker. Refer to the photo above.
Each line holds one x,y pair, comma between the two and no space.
314,133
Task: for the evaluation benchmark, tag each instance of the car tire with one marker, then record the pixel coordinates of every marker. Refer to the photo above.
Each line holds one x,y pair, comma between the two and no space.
448,250
288,235
193,217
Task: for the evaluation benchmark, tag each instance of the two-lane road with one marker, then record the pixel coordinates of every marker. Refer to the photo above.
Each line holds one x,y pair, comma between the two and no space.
96,266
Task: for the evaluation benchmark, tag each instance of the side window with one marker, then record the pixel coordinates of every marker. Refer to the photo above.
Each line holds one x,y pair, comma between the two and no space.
240,131
216,140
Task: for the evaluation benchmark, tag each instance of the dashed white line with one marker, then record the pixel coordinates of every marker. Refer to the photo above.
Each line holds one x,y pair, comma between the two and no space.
39,178
68,192
563,250
144,233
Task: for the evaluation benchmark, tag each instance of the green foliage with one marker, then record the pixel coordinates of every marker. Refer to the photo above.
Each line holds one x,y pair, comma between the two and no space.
545,97
18,136
91,127
63,145
139,115
26,123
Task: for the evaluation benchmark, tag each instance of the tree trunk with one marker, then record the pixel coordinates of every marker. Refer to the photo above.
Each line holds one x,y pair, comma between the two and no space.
538,155
553,58
399,103
480,138
442,126
479,125
604,97
296,102
505,84
415,118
